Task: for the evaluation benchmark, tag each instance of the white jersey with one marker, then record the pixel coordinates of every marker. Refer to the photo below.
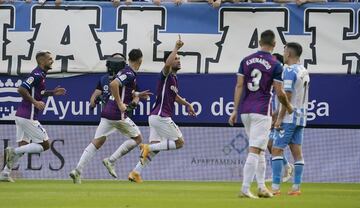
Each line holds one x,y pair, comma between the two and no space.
296,80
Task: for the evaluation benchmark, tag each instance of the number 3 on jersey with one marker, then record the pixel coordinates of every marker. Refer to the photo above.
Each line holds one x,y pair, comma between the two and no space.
254,85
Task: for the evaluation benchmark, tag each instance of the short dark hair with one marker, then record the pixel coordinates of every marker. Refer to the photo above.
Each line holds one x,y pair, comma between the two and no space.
135,54
267,37
296,47
166,55
120,54
279,57
40,54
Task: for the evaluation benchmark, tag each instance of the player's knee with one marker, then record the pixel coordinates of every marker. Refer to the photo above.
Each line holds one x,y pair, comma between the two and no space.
138,139
298,157
45,145
276,151
179,143
98,142
22,143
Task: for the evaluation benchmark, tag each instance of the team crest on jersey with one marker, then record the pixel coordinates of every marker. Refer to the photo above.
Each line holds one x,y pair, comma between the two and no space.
106,88
174,88
304,75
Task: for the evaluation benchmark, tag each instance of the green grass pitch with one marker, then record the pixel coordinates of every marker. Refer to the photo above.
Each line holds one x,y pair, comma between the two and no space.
166,194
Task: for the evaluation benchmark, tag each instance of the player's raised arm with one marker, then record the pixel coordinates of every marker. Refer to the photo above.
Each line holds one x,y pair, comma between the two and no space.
171,58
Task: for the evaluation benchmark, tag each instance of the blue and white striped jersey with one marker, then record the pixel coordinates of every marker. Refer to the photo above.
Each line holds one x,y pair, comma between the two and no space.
296,80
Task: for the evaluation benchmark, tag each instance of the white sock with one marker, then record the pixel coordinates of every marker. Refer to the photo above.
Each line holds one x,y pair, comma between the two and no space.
86,156
29,148
163,145
139,167
124,148
260,171
250,167
295,186
6,170
275,186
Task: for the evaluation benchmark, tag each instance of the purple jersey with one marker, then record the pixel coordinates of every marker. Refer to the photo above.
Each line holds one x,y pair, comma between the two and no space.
259,70
35,84
127,80
166,93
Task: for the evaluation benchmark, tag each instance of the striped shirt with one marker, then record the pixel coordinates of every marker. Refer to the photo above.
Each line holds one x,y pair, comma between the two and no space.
296,80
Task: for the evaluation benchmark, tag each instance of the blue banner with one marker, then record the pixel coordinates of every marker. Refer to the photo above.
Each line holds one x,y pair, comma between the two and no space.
333,99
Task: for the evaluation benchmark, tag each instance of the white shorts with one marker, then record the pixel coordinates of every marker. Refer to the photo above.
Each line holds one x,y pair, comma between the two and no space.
162,128
29,131
257,128
127,127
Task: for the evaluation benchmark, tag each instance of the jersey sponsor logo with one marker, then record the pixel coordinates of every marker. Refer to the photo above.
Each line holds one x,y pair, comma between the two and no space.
122,77
30,80
288,84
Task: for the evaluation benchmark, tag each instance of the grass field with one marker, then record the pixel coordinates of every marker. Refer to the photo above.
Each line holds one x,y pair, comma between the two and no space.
166,194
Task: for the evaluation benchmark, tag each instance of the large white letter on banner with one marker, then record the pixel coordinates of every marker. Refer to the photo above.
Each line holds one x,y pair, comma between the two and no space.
144,27
68,32
241,30
336,37
7,22
139,25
